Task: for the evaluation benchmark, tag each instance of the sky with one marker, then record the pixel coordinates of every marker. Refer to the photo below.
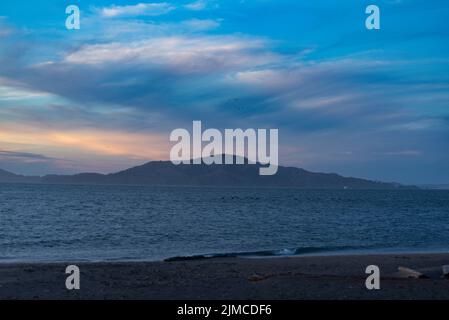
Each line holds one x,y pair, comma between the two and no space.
367,103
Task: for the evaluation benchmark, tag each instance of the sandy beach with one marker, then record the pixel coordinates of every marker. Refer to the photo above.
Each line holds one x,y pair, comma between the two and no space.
310,277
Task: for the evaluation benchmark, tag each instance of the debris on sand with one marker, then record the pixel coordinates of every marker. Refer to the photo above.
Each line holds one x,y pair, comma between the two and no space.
446,271
410,273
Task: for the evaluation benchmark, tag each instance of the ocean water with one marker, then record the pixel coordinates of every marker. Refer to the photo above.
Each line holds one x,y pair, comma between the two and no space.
99,223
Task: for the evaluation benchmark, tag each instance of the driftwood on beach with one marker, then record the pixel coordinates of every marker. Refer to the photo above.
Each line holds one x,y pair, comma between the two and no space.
410,273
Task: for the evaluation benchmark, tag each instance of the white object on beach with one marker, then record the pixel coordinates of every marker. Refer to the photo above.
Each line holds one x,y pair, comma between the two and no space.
446,271
410,273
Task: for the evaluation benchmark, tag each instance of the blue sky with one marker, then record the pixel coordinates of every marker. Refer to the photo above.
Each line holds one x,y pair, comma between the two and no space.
345,99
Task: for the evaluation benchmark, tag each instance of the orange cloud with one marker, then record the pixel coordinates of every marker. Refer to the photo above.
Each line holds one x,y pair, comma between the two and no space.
92,141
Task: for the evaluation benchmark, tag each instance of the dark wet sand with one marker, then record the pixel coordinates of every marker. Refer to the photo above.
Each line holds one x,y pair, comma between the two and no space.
331,277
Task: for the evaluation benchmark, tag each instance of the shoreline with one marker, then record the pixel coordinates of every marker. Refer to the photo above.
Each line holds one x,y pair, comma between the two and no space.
252,255
304,277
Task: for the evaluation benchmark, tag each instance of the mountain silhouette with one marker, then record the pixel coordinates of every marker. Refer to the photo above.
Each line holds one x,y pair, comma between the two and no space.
9,177
165,173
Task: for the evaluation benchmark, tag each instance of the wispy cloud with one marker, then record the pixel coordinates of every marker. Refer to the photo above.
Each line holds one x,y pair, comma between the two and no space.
184,54
399,153
200,24
197,5
72,143
141,9
29,157
10,93
5,29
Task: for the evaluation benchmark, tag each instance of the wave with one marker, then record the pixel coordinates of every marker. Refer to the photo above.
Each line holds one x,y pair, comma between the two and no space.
267,253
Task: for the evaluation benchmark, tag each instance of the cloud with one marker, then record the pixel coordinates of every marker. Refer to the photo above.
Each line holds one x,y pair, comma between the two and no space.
5,32
197,5
26,166
224,79
183,54
131,30
399,153
196,25
422,124
11,93
72,142
141,9
26,156
179,77
63,148
5,29
29,163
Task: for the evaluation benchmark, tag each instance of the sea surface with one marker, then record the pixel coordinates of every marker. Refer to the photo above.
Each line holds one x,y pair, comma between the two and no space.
110,223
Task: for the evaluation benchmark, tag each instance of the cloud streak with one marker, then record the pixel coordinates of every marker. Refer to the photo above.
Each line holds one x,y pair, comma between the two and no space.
181,54
196,5
23,156
140,9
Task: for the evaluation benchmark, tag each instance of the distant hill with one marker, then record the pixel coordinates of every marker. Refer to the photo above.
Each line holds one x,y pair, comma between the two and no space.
8,177
168,174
